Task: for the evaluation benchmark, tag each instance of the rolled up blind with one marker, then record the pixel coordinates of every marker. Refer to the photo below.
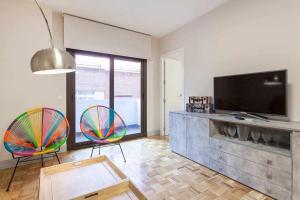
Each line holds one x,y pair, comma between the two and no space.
97,37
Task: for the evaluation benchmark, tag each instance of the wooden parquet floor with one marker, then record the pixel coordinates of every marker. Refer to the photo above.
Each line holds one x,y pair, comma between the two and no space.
154,169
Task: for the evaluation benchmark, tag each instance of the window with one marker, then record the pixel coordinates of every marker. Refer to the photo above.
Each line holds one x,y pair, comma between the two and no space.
108,80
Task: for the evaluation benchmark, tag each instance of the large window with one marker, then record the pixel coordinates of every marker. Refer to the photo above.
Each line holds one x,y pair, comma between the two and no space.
109,80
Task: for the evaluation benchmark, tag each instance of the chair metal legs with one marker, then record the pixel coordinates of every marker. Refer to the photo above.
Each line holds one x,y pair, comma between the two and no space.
99,146
92,151
122,151
12,176
42,160
27,159
57,157
95,146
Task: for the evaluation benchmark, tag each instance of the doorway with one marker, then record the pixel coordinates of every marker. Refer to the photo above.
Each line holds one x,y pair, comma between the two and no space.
172,86
109,80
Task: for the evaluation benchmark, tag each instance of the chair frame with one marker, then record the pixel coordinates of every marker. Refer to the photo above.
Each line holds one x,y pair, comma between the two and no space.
24,159
106,145
98,145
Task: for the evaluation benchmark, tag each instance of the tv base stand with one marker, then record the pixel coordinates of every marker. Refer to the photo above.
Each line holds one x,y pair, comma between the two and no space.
251,115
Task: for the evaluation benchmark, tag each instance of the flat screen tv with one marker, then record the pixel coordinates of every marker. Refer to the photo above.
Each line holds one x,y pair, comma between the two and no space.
259,93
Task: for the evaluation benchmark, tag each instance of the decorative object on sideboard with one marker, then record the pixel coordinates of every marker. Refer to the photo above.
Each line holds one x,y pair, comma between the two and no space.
267,136
255,134
223,130
201,104
231,130
243,132
51,60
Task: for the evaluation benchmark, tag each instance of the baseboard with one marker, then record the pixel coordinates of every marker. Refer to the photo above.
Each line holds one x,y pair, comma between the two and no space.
7,164
153,133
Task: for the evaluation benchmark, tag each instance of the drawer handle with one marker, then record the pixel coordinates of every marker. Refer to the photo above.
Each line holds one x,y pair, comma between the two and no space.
220,157
220,147
269,162
269,176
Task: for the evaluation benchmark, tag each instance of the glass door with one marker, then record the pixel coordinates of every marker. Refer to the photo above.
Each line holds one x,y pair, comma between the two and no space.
112,81
91,86
127,93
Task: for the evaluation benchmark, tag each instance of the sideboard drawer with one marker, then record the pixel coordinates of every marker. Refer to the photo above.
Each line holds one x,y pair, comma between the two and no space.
277,192
238,175
252,181
200,156
277,161
269,174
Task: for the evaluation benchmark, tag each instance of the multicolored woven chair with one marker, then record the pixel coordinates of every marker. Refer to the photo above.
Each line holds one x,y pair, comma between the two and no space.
35,133
102,125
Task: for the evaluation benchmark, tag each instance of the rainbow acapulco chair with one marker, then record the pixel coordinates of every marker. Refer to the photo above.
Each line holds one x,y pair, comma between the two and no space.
35,133
103,126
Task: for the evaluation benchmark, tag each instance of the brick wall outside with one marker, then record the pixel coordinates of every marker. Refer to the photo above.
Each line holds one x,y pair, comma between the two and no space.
94,80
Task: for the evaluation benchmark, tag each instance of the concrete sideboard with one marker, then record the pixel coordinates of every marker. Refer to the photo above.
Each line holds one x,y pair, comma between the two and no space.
271,170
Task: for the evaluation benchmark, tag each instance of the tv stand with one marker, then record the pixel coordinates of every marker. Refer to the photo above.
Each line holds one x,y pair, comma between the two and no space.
251,115
272,167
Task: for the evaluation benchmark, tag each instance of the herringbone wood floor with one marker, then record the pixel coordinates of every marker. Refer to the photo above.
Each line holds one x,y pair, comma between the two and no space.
155,170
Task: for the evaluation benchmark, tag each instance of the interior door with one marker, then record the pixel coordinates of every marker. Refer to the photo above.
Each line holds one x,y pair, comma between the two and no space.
173,88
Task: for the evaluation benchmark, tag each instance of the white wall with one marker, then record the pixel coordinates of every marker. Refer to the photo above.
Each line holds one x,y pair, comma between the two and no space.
239,37
153,90
23,32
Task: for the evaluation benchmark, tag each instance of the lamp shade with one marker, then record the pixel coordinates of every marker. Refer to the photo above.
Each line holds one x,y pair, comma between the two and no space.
52,61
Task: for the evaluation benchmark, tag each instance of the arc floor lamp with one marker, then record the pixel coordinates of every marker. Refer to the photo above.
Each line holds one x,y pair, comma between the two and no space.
51,60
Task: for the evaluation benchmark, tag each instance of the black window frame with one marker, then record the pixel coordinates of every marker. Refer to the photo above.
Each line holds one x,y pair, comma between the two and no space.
71,101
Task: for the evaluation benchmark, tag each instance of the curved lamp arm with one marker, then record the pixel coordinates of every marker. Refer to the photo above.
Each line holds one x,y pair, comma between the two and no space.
47,24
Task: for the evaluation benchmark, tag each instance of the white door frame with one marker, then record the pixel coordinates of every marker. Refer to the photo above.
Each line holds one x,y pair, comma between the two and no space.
169,54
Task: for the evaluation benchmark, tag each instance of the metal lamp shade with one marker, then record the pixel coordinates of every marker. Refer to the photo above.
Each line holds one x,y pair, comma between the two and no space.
52,61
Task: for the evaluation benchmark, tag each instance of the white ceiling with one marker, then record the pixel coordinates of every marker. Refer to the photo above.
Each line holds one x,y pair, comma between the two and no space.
154,17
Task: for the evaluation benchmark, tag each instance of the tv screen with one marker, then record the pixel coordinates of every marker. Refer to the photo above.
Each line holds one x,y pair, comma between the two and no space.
262,93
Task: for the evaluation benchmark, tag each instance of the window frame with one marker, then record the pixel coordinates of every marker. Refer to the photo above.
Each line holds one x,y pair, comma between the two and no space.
71,101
